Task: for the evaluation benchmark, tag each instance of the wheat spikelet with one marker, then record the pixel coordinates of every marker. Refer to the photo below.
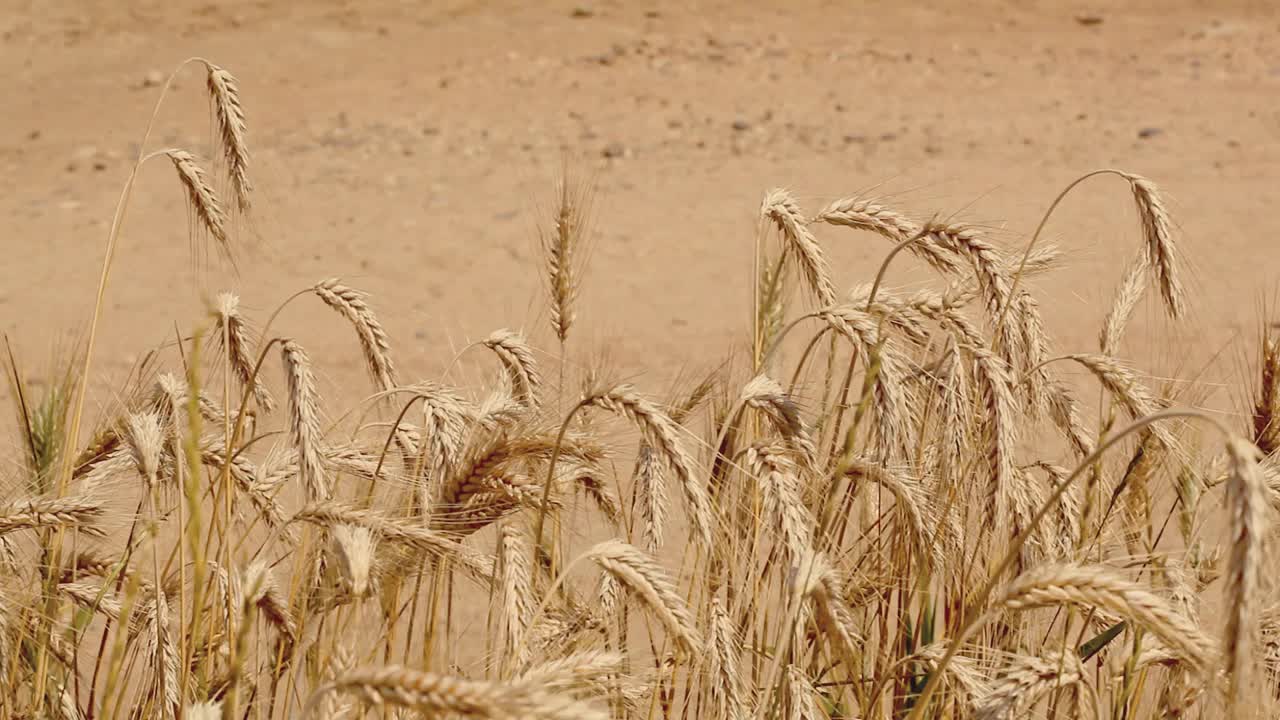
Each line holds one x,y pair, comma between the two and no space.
993,280
202,198
779,207
37,513
517,589
258,483
587,669
376,346
435,694
224,91
1062,410
955,399
1162,253
561,248
999,407
353,549
1266,409
782,504
412,535
145,442
651,496
664,435
1097,586
92,597
1246,497
961,671
1022,681
208,710
727,693
816,580
241,350
517,359
163,655
893,405
803,700
911,503
870,215
268,599
304,421
766,395
1124,301
1035,351
642,576
1121,383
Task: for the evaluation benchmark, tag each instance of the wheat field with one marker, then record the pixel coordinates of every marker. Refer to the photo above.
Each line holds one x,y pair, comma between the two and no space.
887,504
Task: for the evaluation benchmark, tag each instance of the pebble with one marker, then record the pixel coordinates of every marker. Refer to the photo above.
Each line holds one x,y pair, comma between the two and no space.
1149,132
741,125
614,150
153,78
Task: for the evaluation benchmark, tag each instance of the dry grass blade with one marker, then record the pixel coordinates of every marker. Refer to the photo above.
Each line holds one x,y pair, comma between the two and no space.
354,306
225,94
779,207
202,198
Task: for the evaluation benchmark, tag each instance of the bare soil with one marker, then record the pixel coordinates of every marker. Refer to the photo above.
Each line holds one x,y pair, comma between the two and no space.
410,147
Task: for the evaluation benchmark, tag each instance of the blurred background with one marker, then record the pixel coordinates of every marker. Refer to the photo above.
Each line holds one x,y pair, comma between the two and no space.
413,149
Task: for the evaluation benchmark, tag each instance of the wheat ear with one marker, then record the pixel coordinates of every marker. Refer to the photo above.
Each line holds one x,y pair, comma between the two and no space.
354,306
1247,500
202,197
518,361
225,94
641,575
779,207
1097,586
304,421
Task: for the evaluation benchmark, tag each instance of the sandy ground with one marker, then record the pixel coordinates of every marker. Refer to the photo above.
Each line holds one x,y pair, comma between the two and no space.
408,147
